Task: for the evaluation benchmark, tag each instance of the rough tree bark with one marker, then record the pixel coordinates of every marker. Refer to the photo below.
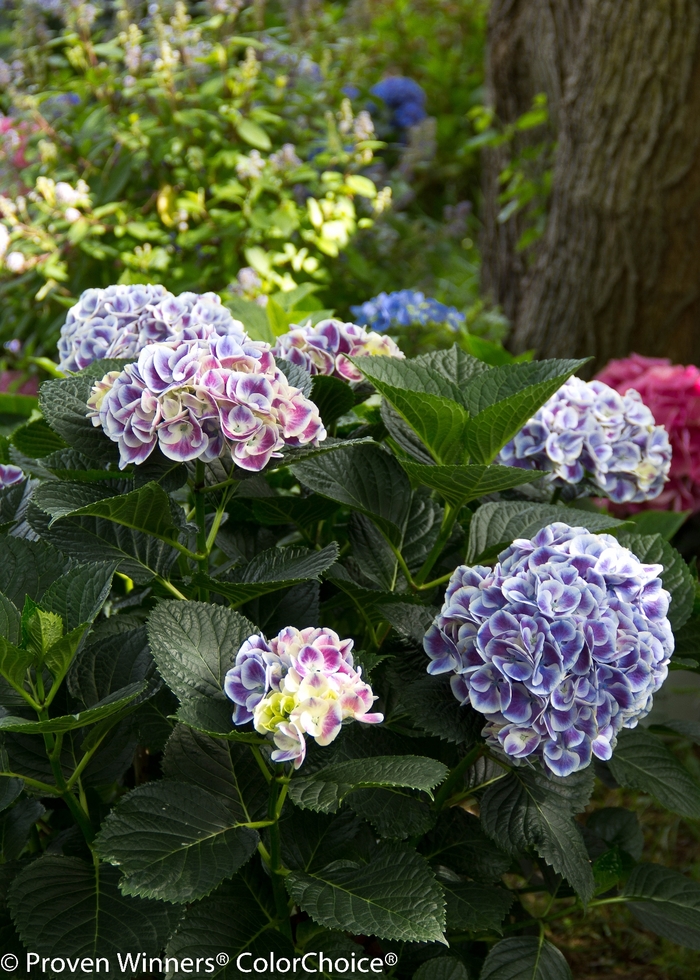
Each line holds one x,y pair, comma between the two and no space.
618,268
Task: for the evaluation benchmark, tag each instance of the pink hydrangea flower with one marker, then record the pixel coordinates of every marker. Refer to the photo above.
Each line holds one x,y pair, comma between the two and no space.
325,347
672,393
201,399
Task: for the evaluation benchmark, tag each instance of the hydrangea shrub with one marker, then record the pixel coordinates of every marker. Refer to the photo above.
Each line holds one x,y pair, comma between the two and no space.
218,729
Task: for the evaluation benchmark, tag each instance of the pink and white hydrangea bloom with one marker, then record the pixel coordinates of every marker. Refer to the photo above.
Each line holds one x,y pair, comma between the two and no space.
119,321
325,348
301,682
201,399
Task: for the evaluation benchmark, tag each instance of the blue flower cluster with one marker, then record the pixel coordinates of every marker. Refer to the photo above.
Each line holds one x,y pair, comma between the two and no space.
404,97
403,309
560,645
588,430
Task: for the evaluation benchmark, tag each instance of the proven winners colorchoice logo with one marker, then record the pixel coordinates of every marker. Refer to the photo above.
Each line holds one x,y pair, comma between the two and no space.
134,963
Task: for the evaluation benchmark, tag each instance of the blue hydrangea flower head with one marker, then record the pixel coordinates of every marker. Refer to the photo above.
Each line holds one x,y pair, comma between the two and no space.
404,97
404,308
560,645
587,430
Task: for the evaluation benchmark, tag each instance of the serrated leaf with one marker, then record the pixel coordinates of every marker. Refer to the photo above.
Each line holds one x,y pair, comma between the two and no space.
641,761
301,511
238,918
610,868
14,502
59,656
528,809
431,705
488,431
371,553
365,478
63,906
525,958
403,435
64,406
91,539
495,525
16,825
458,842
296,375
109,664
618,828
418,375
460,484
274,569
37,440
394,814
173,841
194,644
14,662
665,902
78,596
10,620
69,464
498,384
28,568
213,717
394,896
313,840
227,770
475,908
146,510
65,723
333,398
326,789
442,968
676,576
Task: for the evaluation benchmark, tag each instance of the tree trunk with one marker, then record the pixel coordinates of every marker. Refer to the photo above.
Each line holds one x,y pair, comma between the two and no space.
618,268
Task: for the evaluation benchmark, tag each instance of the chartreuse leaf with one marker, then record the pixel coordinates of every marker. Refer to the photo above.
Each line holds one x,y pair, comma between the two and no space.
365,478
146,510
460,484
14,663
65,723
530,810
274,569
393,896
442,968
525,958
239,917
174,841
194,644
40,630
59,656
326,789
495,525
63,906
641,761
489,430
665,902
676,576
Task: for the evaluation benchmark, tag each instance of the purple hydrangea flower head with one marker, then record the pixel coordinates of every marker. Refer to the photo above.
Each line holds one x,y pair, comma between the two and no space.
301,682
10,475
120,320
204,398
404,97
405,308
587,430
325,348
560,645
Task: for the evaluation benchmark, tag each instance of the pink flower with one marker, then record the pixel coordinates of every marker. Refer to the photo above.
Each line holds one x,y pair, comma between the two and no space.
672,393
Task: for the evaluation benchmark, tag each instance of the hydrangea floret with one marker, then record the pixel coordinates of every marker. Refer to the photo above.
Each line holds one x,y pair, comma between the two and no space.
301,682
672,394
560,645
589,431
405,97
120,320
202,399
405,308
10,475
325,348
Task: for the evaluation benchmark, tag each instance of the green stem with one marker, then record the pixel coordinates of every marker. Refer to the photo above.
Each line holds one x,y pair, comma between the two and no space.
279,891
170,587
456,775
35,783
79,814
200,520
257,755
449,517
